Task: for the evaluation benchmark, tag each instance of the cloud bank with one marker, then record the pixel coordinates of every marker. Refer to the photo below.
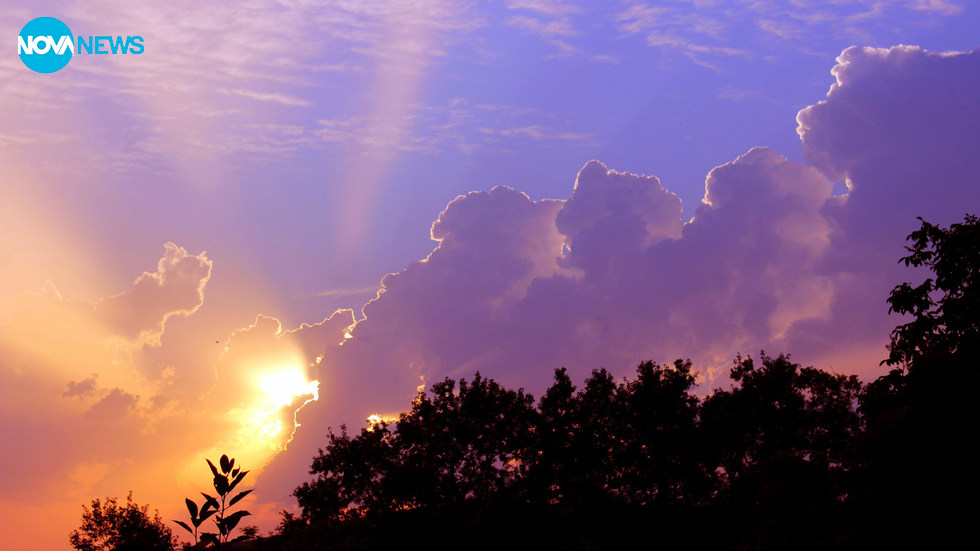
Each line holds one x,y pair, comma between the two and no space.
612,275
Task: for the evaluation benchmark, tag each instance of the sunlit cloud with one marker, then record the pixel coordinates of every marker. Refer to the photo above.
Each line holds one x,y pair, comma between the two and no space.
273,97
547,7
370,289
536,133
118,415
705,31
942,7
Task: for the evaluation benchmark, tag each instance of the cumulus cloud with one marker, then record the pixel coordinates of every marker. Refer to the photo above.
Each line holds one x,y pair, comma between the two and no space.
612,275
175,289
631,211
899,126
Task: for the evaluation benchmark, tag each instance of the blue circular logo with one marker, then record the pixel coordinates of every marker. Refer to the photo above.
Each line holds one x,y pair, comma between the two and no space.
45,45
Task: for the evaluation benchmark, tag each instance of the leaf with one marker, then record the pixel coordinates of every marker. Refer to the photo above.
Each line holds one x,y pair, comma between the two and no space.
184,526
238,497
210,537
231,521
225,464
235,472
205,515
214,470
211,501
240,514
238,479
191,508
221,484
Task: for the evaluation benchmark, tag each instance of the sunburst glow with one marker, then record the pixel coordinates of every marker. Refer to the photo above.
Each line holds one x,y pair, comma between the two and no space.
285,392
282,387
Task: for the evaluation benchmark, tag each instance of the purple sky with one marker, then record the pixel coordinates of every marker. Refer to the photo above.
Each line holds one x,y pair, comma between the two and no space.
678,182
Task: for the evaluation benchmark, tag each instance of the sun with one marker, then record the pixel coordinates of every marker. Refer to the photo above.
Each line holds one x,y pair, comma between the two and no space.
271,420
282,387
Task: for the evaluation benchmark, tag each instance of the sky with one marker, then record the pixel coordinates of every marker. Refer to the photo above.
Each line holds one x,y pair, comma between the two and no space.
286,216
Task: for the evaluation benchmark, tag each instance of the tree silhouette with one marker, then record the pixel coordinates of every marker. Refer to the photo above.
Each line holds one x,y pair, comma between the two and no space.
660,461
349,476
915,454
779,442
787,457
630,442
595,442
107,526
551,476
945,309
461,444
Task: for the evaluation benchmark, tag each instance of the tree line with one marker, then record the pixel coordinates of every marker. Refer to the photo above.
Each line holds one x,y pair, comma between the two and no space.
787,457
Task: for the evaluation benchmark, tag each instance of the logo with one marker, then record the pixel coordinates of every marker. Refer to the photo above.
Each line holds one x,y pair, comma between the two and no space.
46,45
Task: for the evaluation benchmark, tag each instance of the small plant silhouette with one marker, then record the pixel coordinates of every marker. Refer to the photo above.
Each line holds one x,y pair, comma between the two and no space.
225,481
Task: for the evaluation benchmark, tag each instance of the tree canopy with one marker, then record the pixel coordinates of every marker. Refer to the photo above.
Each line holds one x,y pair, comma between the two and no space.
915,450
786,457
108,526
780,437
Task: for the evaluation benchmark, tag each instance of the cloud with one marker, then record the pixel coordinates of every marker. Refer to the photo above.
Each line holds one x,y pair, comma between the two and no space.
547,7
175,289
537,132
226,70
612,275
273,97
633,280
627,207
99,408
115,404
900,127
48,342
546,29
704,31
552,21
84,387
942,7
432,129
370,289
